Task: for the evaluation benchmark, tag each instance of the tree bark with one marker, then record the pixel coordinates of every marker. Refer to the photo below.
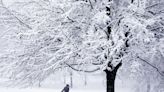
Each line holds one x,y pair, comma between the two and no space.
110,78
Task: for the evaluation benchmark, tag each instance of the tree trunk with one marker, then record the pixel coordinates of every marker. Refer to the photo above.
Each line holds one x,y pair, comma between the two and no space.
110,78
148,84
64,79
110,81
39,84
85,80
148,87
71,79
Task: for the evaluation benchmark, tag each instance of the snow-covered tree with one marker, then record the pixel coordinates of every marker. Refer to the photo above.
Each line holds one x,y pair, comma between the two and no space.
86,36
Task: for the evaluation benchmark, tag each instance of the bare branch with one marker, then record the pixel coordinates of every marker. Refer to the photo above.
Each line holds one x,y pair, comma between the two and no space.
151,65
70,19
87,71
20,21
90,4
153,5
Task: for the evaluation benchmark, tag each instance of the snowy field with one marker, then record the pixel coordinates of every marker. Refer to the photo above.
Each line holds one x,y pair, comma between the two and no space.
57,90
46,90
95,83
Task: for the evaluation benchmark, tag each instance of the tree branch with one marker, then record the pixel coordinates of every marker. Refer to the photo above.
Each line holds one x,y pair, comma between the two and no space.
70,19
118,66
151,6
19,20
79,70
90,4
151,65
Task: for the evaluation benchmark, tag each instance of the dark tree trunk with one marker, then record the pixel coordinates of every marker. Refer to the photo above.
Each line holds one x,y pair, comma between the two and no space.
110,78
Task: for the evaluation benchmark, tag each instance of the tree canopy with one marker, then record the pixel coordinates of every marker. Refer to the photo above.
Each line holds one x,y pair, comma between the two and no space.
84,35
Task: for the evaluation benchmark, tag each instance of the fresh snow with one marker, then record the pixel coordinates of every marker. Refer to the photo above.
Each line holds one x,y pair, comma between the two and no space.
57,90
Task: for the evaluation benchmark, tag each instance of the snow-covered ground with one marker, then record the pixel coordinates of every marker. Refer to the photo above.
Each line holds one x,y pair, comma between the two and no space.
95,83
57,90
46,90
